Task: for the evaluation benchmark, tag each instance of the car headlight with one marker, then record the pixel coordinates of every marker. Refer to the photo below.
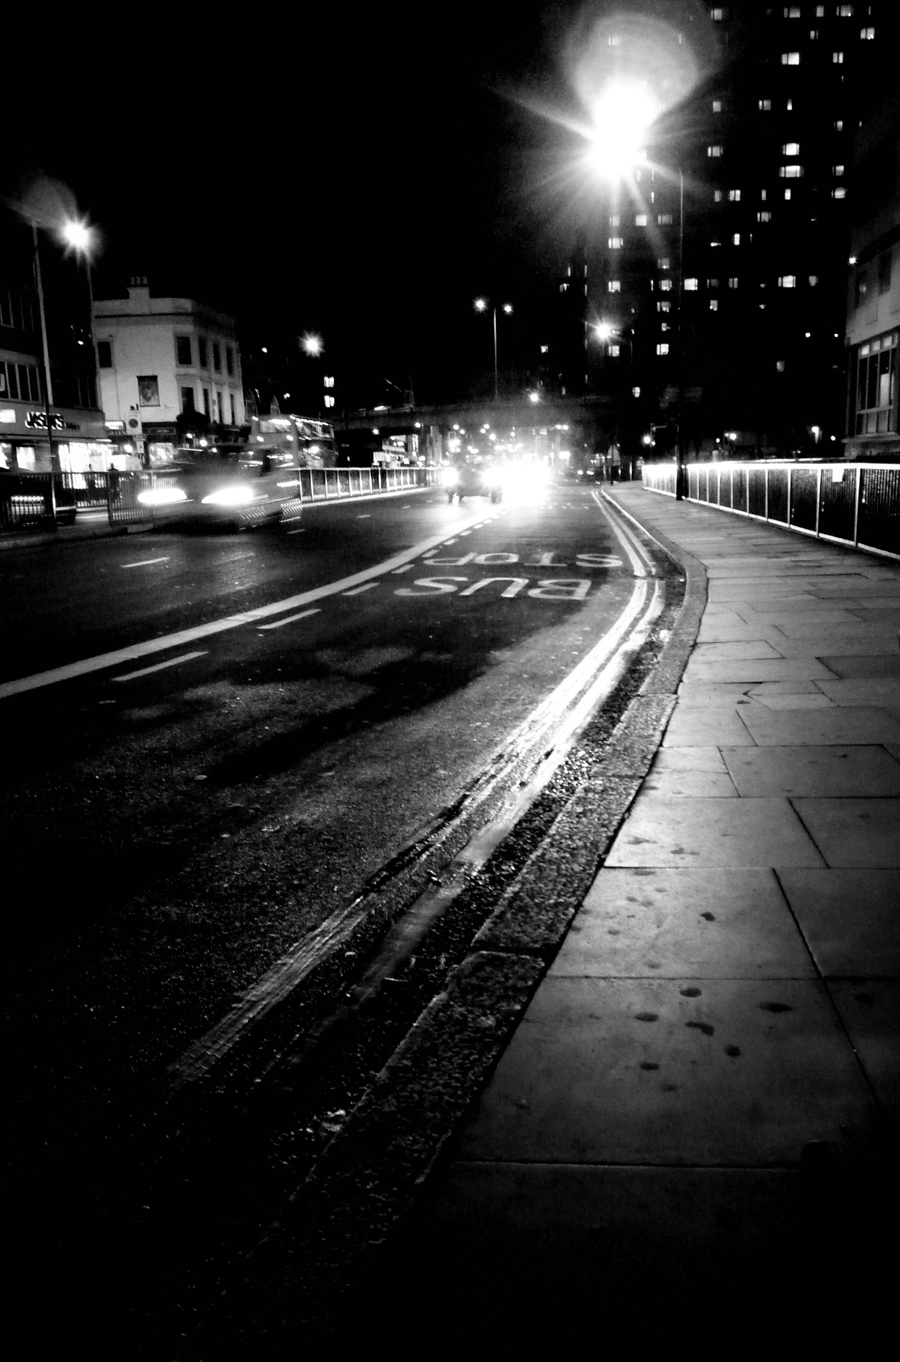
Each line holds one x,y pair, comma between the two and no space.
236,495
162,496
451,477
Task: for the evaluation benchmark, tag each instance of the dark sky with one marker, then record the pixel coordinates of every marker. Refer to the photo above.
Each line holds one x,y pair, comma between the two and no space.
361,171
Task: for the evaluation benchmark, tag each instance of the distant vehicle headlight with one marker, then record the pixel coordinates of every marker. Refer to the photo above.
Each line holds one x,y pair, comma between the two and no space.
237,495
162,496
450,477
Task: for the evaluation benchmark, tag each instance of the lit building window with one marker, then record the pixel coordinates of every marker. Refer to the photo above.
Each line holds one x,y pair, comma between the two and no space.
789,105
664,326
837,58
839,193
839,125
662,348
813,34
787,193
714,150
813,280
664,306
790,149
717,106
640,220
867,34
665,285
614,220
733,283
787,281
563,288
764,217
736,239
765,105
845,11
790,172
664,263
792,12
664,220
876,385
713,304
616,243
734,196
837,170
712,283
717,195
615,350
691,285
614,286
718,15
614,40
820,11
763,194
790,58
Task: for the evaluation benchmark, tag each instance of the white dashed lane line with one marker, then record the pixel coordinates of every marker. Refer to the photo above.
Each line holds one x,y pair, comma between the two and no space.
291,619
358,590
160,666
145,562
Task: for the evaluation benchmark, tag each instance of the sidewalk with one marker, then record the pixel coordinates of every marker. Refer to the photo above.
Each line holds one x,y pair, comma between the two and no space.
698,1112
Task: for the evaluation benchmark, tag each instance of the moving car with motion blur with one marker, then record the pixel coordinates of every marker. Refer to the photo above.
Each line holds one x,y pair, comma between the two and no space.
232,488
474,480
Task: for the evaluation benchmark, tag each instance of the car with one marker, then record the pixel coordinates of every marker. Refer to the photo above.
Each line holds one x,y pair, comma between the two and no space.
473,480
228,488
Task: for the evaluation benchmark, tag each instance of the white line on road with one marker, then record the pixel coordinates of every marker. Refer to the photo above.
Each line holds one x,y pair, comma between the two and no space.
177,640
406,567
357,590
160,666
145,562
277,624
364,517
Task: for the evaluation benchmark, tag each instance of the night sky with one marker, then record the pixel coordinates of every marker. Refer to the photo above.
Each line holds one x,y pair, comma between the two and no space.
359,171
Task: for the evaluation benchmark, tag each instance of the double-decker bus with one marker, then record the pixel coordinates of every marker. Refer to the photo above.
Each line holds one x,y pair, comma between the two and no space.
310,441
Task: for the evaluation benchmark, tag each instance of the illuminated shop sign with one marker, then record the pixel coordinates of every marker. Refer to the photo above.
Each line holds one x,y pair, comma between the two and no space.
37,420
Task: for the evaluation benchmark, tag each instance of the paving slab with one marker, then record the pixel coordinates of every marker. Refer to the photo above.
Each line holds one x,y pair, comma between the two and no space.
704,694
885,664
712,832
852,832
745,1072
824,772
698,924
789,701
696,728
850,918
870,1010
807,668
883,692
688,759
726,652
842,725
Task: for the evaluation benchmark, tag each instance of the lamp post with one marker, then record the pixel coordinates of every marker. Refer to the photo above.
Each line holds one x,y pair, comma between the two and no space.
481,305
622,119
79,236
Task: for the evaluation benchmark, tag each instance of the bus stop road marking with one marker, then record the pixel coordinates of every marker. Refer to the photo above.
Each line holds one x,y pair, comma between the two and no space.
160,666
358,590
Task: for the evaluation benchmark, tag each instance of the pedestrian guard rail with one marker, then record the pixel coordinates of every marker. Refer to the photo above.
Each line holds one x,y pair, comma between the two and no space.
845,503
313,484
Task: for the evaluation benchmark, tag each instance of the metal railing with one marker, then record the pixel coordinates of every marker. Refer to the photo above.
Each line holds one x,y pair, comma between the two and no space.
26,501
844,503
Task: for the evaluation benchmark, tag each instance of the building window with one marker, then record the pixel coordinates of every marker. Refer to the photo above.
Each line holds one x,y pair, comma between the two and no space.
791,149
763,194
820,11
792,12
765,105
845,11
764,217
734,196
665,285
717,106
732,282
717,195
229,363
718,15
691,285
876,386
736,239
714,150
614,286
867,34
202,352
104,355
837,170
813,280
662,348
663,263
233,420
838,193
787,281
787,193
148,390
837,58
664,306
712,283
187,399
884,273
813,34
217,357
790,58
614,221
183,351
563,288
615,350
713,304
616,243
206,401
790,172
640,220
220,407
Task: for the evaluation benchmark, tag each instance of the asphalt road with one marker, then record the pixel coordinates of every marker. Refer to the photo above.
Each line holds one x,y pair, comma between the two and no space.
213,743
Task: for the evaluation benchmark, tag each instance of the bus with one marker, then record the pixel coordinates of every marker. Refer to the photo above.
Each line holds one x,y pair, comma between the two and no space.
310,441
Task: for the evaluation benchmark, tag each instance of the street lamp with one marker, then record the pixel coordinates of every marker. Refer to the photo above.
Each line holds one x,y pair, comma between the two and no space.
481,305
80,237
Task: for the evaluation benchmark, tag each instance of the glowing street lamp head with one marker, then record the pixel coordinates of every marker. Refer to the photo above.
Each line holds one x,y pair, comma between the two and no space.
77,235
621,117
604,331
481,304
312,345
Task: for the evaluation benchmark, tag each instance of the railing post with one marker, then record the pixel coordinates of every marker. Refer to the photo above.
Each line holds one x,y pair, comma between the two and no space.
818,497
856,499
766,475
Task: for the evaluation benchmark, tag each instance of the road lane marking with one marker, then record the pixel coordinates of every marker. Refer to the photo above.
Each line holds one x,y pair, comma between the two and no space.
406,567
358,590
145,562
161,666
277,624
104,661
364,517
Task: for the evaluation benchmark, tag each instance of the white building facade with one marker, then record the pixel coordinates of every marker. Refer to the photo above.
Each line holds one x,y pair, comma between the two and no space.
162,358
